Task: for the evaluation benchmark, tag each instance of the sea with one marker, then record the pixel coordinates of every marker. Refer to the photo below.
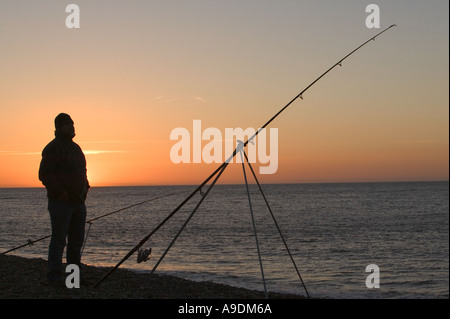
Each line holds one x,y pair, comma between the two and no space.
347,240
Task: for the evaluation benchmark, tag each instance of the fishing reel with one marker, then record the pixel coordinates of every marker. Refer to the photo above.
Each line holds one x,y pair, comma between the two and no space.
143,255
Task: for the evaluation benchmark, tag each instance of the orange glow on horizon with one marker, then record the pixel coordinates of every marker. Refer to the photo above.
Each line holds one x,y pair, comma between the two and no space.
383,116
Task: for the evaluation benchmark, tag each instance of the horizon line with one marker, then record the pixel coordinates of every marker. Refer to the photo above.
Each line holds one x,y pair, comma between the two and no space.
231,184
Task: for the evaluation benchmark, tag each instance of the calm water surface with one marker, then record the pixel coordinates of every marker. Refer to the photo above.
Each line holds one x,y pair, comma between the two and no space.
333,232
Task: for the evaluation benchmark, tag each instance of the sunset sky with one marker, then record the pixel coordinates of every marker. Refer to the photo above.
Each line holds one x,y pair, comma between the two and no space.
135,70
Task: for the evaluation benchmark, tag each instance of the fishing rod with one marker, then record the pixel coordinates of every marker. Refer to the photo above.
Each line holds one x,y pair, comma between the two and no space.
31,242
128,207
225,164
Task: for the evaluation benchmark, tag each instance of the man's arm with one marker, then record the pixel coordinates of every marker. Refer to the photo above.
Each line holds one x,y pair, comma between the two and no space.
48,174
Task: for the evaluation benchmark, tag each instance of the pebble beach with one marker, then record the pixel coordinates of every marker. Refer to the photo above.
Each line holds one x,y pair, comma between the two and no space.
25,278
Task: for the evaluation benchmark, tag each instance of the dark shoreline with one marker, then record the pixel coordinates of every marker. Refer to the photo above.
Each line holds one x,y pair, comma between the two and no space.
23,278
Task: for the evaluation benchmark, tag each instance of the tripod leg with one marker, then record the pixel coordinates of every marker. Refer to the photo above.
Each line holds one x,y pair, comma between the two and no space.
276,224
254,225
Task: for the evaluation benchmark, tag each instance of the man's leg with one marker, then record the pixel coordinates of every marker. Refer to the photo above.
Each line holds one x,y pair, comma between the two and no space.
60,218
76,235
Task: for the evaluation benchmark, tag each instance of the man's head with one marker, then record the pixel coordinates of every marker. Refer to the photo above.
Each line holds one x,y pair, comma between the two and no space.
64,125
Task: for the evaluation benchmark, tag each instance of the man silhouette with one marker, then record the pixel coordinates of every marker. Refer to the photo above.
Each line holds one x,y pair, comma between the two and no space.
63,173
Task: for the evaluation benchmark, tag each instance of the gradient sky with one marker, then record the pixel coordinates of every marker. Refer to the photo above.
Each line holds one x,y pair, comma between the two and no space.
136,70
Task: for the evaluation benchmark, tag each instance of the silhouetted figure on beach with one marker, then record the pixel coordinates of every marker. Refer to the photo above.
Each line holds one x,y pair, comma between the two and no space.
63,172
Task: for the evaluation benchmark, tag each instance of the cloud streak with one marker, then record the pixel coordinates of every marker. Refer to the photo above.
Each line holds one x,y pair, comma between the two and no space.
19,153
199,98
163,99
86,152
96,152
